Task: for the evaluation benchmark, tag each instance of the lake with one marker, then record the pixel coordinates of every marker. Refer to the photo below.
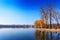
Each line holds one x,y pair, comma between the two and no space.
25,34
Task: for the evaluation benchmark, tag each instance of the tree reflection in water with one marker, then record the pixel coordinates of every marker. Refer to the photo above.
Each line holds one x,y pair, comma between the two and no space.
46,35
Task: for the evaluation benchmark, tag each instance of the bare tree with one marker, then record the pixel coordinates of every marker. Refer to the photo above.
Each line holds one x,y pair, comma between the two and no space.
44,14
51,14
56,16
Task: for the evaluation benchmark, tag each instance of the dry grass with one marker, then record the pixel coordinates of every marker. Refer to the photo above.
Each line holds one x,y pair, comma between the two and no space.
48,30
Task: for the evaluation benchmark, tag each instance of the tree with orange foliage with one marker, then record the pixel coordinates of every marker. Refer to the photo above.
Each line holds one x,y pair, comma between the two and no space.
39,23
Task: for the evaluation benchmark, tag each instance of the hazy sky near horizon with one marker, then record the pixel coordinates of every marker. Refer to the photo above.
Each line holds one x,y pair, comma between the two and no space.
22,11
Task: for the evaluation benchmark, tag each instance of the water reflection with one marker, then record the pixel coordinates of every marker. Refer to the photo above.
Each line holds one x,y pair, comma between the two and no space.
47,35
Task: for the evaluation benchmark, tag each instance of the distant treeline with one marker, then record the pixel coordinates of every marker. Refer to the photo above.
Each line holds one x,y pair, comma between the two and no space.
16,26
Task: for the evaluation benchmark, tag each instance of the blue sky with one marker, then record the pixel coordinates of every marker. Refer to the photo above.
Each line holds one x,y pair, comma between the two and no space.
22,11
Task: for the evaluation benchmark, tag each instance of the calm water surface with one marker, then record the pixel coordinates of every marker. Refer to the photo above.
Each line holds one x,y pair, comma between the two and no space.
17,34
24,34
